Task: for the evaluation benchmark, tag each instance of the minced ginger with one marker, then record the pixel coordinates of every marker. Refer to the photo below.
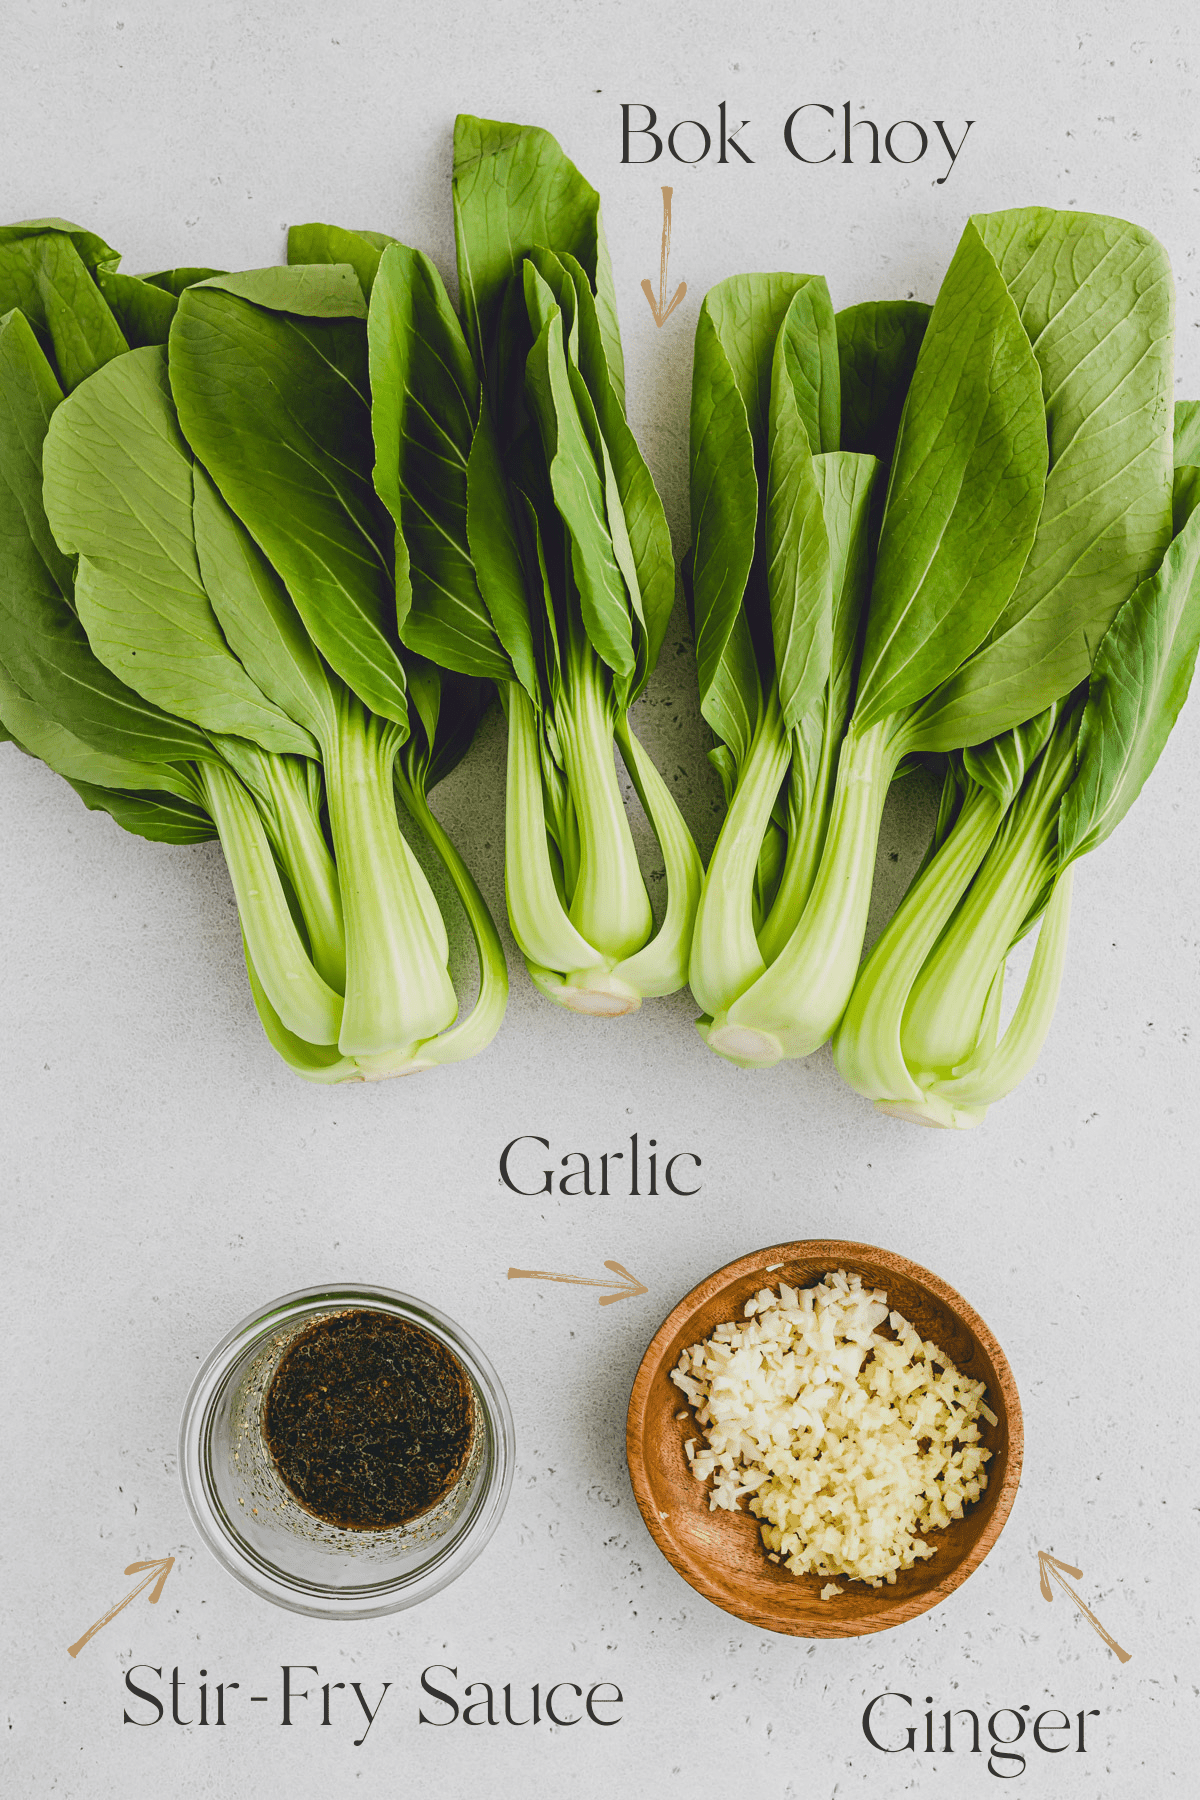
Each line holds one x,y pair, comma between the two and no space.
848,1444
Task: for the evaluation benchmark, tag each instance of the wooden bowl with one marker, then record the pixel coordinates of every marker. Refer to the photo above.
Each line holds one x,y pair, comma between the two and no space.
721,1554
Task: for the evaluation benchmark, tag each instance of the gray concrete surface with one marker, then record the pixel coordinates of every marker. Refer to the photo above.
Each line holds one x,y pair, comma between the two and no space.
163,1174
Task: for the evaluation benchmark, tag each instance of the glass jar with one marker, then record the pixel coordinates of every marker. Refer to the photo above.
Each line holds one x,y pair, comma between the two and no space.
256,1528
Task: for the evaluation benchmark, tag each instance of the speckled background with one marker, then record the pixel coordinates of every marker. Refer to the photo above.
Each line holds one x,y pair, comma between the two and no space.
163,1174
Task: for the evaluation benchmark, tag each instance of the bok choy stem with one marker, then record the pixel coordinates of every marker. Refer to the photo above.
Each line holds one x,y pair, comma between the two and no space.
726,955
398,989
809,808
867,1047
660,966
609,905
948,999
477,1030
305,1003
991,1072
539,918
795,1004
293,820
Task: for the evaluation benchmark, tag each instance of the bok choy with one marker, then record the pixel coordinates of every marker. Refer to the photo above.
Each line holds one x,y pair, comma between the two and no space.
538,551
531,545
196,630
921,1034
1029,496
793,417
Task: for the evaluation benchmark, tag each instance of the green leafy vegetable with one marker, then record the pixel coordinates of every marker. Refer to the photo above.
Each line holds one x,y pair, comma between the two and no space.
532,549
515,191
1029,495
292,458
270,541
154,655
780,564
920,1035
49,271
62,704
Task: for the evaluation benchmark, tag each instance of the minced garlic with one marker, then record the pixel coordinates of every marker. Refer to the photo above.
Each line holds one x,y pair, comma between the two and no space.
849,1444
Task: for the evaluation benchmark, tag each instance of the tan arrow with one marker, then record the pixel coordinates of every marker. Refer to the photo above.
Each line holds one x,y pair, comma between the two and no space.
1048,1566
156,1579
661,310
629,1292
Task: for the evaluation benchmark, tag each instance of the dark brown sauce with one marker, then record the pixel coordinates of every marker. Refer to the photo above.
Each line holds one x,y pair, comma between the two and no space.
369,1419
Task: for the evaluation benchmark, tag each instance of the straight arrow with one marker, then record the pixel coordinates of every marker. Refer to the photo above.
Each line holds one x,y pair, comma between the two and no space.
1049,1566
661,310
629,1291
156,1579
